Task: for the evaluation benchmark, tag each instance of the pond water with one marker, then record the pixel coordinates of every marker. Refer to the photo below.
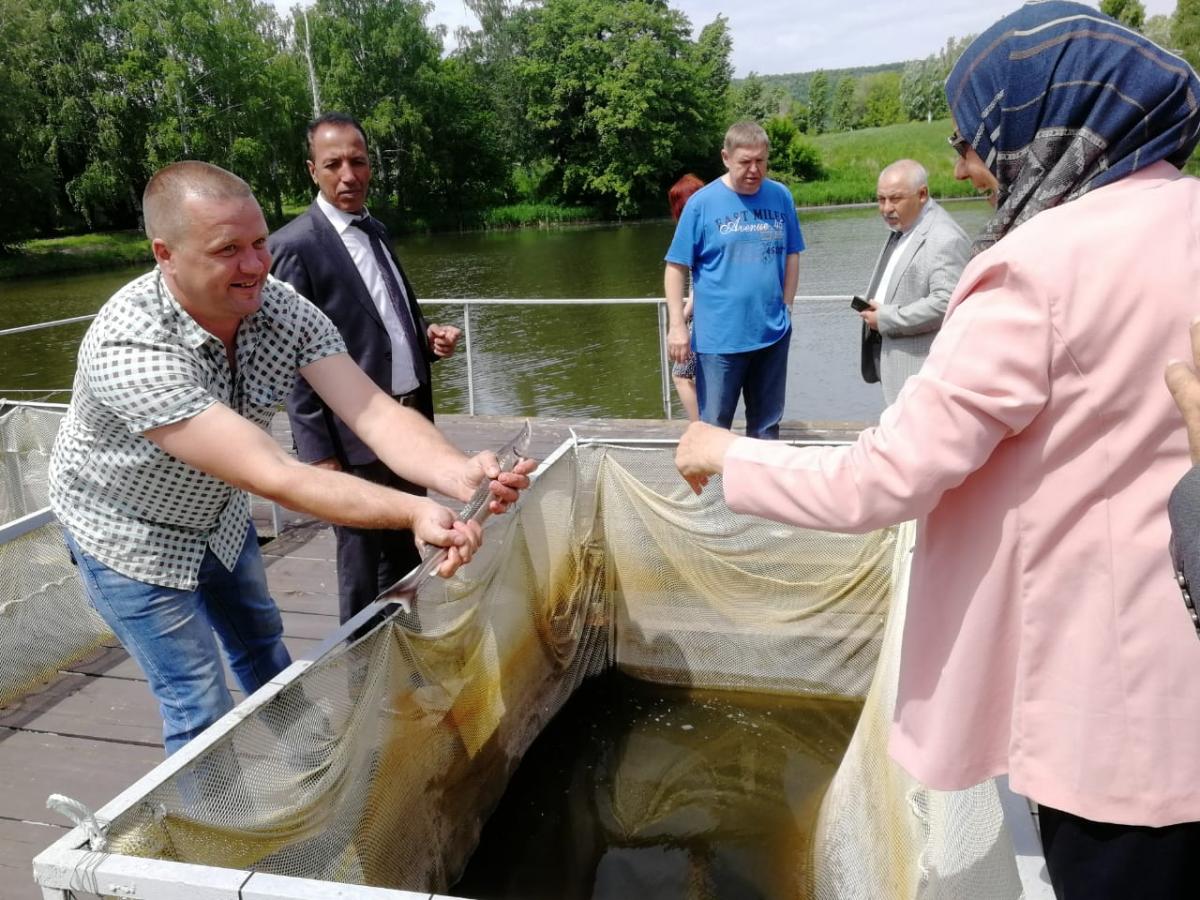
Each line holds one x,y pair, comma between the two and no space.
642,790
549,360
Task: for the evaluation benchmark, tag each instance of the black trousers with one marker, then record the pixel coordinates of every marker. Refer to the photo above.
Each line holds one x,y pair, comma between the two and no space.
370,560
1101,861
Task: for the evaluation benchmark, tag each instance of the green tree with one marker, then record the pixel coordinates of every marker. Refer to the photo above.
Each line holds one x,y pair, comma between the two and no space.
818,102
492,52
954,48
712,69
1127,12
799,114
792,158
27,192
438,145
882,101
135,84
1185,30
378,60
240,97
756,100
98,112
781,131
1158,29
922,94
843,115
619,99
468,169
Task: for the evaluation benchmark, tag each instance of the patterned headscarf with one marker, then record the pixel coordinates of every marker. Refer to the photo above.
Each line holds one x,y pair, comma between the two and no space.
1058,99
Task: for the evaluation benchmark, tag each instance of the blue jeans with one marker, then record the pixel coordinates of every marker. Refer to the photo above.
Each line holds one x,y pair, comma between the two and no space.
169,632
758,375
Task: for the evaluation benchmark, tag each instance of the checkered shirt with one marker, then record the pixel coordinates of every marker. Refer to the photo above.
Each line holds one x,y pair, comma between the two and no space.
145,363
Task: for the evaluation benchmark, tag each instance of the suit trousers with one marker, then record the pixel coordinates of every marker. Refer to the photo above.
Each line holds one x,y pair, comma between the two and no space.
370,560
1090,860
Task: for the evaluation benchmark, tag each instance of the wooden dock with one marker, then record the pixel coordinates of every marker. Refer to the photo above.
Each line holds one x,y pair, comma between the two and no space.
95,729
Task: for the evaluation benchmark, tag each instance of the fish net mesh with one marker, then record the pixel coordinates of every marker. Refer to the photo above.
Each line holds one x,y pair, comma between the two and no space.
379,763
46,623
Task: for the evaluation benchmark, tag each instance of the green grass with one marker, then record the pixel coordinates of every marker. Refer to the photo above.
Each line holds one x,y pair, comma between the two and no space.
520,215
854,160
79,253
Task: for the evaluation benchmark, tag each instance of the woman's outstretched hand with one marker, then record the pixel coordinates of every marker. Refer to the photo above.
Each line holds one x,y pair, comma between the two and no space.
1185,388
701,453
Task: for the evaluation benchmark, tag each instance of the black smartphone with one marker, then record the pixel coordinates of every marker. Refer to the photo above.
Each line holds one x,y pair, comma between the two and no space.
858,304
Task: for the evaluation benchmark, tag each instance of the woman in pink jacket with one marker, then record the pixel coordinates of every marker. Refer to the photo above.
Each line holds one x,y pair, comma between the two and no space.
1045,636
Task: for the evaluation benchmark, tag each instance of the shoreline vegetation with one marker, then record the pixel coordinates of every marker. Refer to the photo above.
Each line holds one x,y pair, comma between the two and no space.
547,114
851,161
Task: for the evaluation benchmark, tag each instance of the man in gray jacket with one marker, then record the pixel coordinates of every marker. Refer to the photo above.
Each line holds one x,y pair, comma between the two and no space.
913,277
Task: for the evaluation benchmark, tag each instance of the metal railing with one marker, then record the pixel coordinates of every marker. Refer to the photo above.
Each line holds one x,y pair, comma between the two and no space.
468,302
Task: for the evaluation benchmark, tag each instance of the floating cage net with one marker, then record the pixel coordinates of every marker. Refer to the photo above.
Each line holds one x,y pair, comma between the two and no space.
46,624
381,761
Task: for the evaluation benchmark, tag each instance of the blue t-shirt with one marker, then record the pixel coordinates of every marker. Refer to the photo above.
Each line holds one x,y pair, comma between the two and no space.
737,247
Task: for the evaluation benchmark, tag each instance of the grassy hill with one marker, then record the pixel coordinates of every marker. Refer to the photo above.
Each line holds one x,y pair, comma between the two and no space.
853,160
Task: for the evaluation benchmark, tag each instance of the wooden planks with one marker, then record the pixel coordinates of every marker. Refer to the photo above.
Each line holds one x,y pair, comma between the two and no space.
20,842
33,766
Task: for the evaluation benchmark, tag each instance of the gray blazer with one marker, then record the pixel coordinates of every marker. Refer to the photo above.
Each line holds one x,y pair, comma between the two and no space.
912,311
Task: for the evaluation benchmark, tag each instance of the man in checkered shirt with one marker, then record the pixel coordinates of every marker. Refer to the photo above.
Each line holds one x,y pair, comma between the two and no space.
177,379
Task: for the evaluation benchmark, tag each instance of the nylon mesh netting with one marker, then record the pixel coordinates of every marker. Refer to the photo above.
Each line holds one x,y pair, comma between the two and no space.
380,763
46,623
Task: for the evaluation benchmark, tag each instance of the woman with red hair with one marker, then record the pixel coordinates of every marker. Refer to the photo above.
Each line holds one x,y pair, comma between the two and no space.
684,373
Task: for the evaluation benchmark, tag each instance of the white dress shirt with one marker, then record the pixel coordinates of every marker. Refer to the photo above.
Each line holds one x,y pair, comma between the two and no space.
358,244
889,270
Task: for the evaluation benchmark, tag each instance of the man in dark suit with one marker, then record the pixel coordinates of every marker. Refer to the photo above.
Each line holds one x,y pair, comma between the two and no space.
342,260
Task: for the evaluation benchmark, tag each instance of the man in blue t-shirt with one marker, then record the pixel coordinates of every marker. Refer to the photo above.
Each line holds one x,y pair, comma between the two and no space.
740,239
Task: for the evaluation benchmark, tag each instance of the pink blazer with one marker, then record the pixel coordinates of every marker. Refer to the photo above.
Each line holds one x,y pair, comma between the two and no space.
1045,635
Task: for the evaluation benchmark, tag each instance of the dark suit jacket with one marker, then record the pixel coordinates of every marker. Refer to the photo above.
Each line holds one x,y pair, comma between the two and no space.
1183,509
309,255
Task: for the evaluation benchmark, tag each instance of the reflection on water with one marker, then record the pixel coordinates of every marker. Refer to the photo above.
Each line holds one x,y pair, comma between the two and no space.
640,790
600,360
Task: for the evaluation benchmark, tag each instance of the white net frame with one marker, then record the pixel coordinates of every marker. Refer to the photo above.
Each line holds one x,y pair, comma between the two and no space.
377,765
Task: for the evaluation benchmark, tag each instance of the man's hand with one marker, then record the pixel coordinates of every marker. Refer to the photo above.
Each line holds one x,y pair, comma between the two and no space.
435,525
505,486
329,462
1185,388
871,316
701,453
443,339
679,344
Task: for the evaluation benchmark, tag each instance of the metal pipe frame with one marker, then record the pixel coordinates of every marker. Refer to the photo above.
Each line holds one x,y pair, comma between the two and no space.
467,302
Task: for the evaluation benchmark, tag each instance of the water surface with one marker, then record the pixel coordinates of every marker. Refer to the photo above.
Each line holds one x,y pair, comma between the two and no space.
638,790
600,361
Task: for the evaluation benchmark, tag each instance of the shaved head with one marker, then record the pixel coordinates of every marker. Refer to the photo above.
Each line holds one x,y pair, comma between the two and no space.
908,172
163,199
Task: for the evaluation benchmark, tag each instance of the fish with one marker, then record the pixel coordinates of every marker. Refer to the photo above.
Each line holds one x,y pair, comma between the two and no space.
477,509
